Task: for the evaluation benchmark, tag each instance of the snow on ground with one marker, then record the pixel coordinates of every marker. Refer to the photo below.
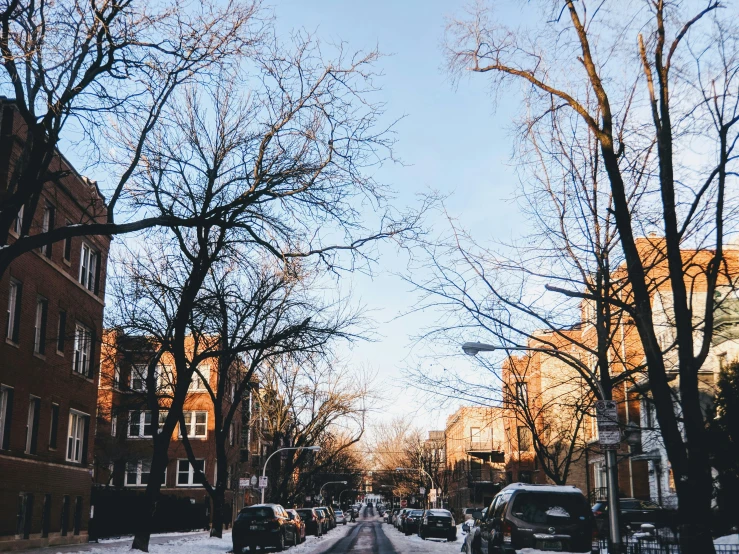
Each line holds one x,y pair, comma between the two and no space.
201,543
413,543
728,539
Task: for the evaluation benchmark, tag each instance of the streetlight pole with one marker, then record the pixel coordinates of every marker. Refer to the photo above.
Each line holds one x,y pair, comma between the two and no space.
264,468
614,531
320,491
433,486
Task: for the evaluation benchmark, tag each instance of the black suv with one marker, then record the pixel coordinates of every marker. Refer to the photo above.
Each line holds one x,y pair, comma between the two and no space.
265,525
545,517
438,523
633,513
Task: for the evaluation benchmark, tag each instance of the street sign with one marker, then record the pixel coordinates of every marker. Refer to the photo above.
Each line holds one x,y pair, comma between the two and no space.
403,503
253,481
422,490
432,495
263,482
609,432
243,482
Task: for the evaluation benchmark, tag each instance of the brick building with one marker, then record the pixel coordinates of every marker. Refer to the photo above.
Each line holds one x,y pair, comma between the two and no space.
124,446
49,355
475,437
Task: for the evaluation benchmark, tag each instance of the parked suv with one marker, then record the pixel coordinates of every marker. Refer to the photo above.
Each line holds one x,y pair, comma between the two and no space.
633,513
265,525
312,519
545,517
438,523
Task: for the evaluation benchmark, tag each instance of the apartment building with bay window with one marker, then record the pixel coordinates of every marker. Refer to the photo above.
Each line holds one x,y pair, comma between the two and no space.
53,300
126,426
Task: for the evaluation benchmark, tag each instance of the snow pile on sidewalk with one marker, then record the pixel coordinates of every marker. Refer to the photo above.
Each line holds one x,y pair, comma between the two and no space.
728,539
412,544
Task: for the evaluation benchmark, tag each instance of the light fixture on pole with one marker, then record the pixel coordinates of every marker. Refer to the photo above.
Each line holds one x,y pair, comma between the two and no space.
474,348
433,486
320,491
264,468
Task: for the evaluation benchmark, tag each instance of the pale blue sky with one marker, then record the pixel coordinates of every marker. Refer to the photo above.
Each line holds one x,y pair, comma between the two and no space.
452,140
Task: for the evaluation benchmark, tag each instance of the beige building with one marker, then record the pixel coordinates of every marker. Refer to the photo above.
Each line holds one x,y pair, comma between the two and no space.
475,436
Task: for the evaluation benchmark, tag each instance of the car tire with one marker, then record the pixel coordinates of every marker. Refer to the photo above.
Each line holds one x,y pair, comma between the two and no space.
280,543
238,548
420,534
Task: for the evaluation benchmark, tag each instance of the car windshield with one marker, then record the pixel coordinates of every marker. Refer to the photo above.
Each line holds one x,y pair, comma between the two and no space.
256,512
441,513
549,508
416,513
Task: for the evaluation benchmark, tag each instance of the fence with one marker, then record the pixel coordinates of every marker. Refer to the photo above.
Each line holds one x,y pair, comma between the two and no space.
637,546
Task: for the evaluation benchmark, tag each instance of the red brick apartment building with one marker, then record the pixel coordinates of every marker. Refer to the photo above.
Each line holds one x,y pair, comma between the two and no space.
123,445
49,355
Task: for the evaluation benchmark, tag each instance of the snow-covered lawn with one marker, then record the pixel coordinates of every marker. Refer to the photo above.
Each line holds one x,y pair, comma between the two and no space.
413,543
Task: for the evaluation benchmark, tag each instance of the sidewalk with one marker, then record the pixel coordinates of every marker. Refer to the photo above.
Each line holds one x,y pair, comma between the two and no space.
122,542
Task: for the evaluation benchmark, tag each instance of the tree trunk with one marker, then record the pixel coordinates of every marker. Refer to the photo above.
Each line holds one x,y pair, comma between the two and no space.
148,514
219,504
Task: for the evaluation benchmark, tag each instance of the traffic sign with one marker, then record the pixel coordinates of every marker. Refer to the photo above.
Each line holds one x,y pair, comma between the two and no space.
422,490
243,482
263,482
403,503
609,431
432,495
253,481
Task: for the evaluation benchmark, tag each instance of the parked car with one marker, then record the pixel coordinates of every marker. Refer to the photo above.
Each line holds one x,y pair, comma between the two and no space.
467,519
544,517
325,519
634,513
399,521
299,524
312,520
331,516
264,525
438,523
412,521
390,516
340,517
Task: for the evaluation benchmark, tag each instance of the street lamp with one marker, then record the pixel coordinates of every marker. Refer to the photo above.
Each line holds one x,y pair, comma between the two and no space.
264,468
474,348
433,486
320,491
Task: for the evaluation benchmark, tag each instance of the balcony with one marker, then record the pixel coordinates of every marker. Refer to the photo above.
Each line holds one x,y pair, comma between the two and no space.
485,451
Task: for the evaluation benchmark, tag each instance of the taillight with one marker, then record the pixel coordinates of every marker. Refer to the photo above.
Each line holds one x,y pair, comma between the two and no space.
597,513
506,528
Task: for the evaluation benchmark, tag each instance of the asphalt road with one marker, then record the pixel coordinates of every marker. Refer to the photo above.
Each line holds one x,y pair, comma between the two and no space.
368,537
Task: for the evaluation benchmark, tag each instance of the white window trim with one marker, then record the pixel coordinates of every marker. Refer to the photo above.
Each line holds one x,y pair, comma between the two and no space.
12,301
80,418
139,471
41,302
142,423
29,421
3,411
191,473
18,223
82,347
113,425
192,425
196,384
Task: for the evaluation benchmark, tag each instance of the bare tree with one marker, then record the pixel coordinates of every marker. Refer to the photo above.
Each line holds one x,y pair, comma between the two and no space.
76,69
643,77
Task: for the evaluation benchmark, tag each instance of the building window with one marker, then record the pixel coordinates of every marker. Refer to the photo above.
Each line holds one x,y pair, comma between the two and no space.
140,423
196,424
18,225
68,246
524,438
48,225
113,425
116,376
198,383
39,328
34,406
77,437
54,426
186,473
14,311
61,332
137,474
522,394
88,267
138,377
6,409
82,363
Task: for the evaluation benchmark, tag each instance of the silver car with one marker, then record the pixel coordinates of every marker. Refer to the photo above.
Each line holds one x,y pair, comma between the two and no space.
340,517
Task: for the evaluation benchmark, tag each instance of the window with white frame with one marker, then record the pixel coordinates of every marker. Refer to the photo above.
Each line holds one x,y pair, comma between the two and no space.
48,225
186,473
116,376
137,474
82,362
76,436
165,377
522,394
39,328
138,377
14,311
6,408
18,225
140,423
88,267
113,425
196,424
198,381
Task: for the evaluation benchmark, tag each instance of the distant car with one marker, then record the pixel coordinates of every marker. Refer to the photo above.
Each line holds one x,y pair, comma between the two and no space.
543,517
325,519
438,523
264,525
299,524
340,517
401,518
412,521
634,513
312,520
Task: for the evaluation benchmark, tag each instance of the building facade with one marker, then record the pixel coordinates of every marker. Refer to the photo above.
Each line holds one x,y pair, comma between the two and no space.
49,358
474,438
